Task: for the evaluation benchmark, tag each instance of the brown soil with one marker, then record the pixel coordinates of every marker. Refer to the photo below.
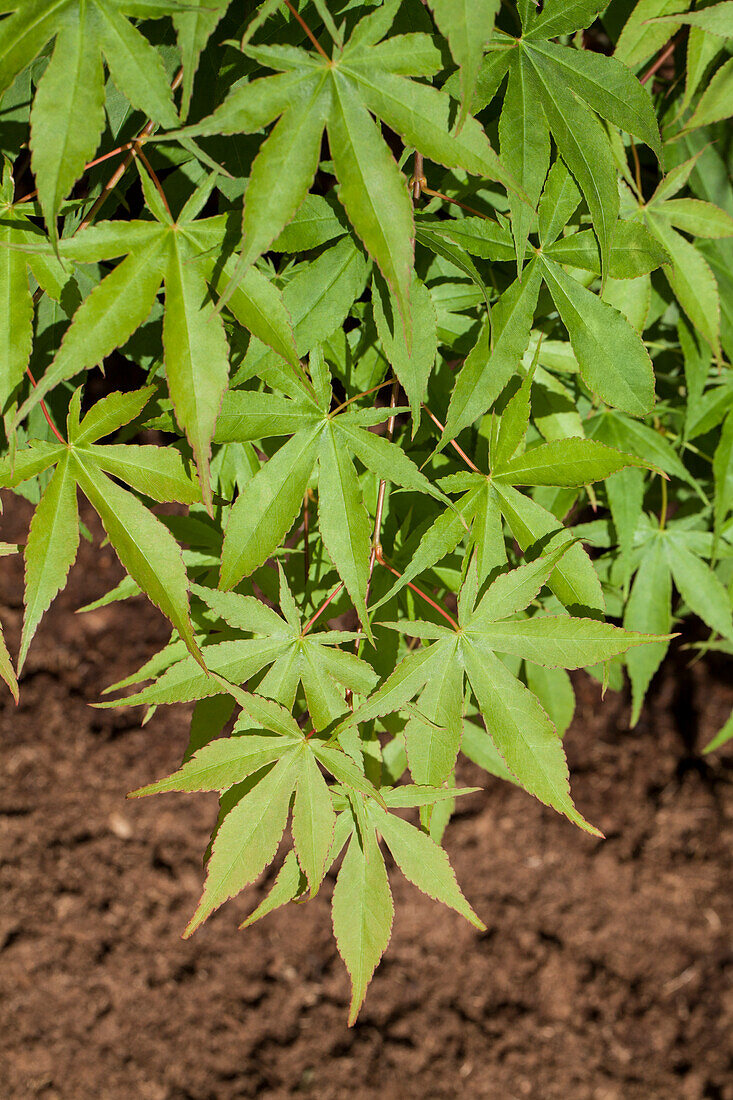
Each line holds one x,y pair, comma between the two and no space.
604,974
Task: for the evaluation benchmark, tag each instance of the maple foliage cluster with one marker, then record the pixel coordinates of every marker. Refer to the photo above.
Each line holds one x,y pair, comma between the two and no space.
428,310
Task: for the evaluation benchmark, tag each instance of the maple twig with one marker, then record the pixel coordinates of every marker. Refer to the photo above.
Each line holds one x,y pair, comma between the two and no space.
447,198
87,166
45,411
659,62
471,465
344,404
418,181
308,31
376,546
322,608
153,175
428,599
119,172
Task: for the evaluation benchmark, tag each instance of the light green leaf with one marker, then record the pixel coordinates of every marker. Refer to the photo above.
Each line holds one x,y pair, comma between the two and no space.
53,540
248,838
424,863
612,359
145,547
559,640
362,914
343,520
313,822
220,765
266,509
196,358
522,732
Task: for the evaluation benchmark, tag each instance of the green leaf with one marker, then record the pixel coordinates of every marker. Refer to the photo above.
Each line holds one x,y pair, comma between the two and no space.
424,863
642,36
145,547
691,280
648,609
196,358
524,138
313,822
432,745
248,837
582,144
362,914
486,372
410,354
514,590
372,189
266,509
573,580
700,588
282,172
565,462
612,359
68,113
53,540
722,737
522,732
468,26
716,102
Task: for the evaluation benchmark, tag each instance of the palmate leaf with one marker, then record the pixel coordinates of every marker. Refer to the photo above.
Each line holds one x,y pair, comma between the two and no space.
291,657
611,356
519,727
341,95
146,549
68,110
558,90
195,345
362,906
267,508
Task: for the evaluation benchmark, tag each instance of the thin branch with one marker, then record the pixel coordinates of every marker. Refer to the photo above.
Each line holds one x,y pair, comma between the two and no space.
447,198
344,404
428,599
45,411
418,180
659,62
308,31
322,608
471,465
112,182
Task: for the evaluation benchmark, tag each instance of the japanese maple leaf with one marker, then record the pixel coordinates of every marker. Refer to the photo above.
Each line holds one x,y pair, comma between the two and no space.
143,544
177,254
518,725
365,78
67,117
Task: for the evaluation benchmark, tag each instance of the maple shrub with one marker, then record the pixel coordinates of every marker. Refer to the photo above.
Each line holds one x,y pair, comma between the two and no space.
420,317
